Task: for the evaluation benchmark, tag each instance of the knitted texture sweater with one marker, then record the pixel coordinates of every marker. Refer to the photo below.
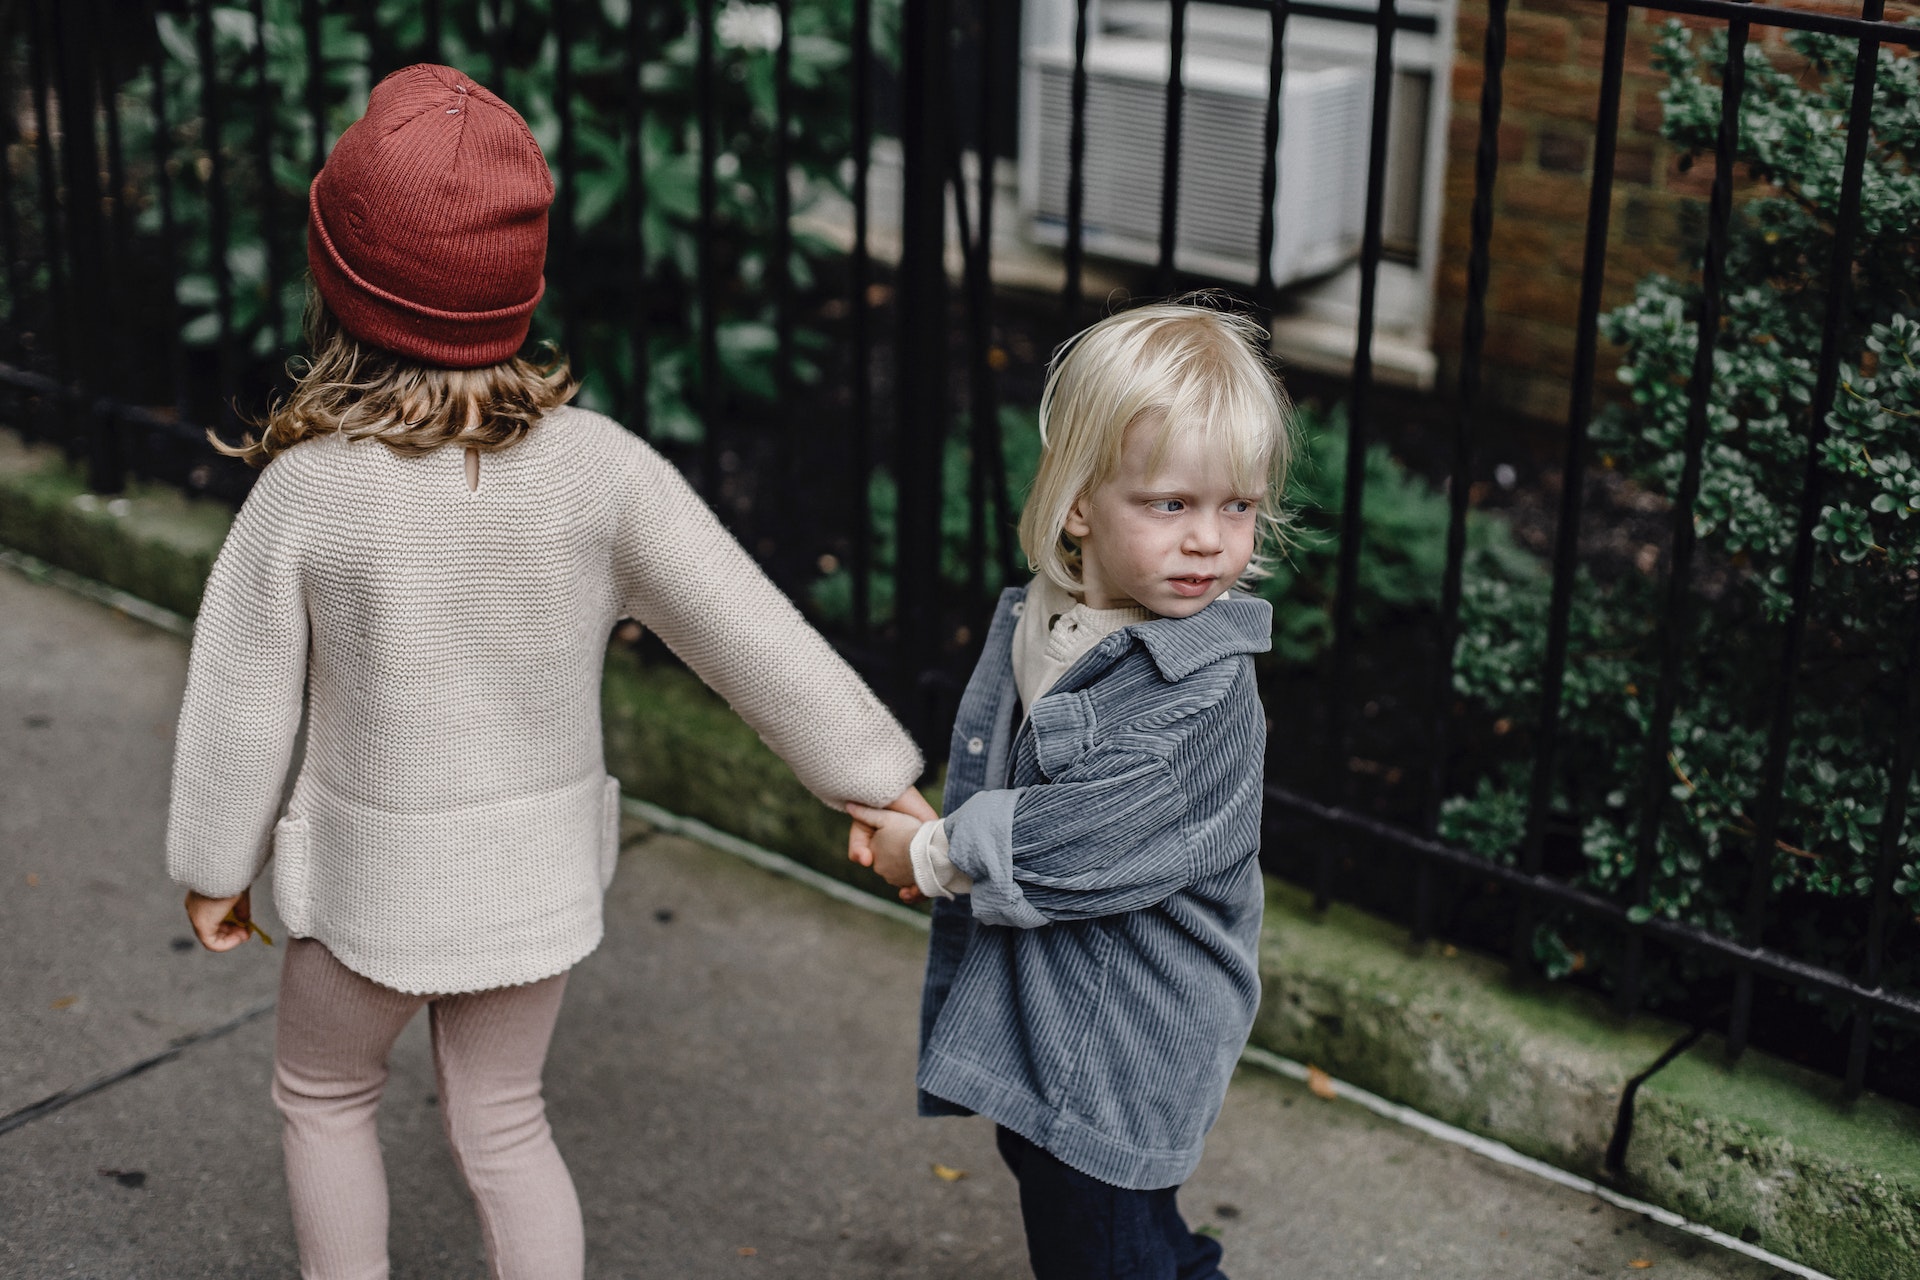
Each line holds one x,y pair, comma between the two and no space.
453,827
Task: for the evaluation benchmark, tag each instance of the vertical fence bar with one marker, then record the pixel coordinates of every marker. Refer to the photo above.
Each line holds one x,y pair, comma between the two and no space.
380,58
1473,342
988,452
1346,590
1800,576
1070,293
706,107
1656,773
169,231
110,453
272,313
638,329
1893,824
1574,473
859,271
215,186
52,322
780,272
316,86
971,250
921,401
122,219
566,193
1270,155
1170,142
497,46
9,221
80,161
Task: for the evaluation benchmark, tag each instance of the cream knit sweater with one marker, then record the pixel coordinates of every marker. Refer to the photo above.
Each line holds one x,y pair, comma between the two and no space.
453,827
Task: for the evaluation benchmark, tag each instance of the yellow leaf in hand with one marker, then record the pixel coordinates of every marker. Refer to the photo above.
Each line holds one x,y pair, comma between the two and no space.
946,1174
1641,1264
1320,1084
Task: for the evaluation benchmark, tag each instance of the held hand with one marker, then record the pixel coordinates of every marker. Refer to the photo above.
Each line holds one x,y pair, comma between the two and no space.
887,840
914,805
860,850
860,838
222,924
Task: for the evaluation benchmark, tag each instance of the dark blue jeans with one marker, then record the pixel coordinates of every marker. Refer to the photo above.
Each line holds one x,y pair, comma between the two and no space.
1080,1228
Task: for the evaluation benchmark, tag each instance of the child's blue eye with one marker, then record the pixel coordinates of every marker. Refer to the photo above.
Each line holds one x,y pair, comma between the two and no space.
1171,506
1240,506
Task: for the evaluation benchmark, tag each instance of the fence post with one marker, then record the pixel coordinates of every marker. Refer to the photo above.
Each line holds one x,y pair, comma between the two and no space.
921,358
86,233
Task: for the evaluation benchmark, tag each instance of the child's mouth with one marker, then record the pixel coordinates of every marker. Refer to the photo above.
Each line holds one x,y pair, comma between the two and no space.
1191,586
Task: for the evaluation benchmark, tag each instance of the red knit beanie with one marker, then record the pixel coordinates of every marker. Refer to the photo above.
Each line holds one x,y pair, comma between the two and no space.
427,229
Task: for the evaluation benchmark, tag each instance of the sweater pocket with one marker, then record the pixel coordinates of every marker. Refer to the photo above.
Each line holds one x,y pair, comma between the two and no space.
293,873
609,830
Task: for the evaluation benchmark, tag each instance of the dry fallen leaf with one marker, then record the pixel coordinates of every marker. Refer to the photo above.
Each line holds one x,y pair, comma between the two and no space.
1320,1084
65,1002
946,1174
33,881
746,1251
1641,1264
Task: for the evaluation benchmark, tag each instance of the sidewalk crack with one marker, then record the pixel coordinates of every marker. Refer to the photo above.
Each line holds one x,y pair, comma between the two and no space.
54,1102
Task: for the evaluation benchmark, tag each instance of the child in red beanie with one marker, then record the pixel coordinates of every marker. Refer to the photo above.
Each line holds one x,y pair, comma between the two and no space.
428,569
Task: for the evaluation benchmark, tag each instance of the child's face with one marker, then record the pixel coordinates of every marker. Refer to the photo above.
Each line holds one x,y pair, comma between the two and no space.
1169,538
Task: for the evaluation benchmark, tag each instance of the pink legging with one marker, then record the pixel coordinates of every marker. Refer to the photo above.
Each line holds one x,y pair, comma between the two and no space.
330,1064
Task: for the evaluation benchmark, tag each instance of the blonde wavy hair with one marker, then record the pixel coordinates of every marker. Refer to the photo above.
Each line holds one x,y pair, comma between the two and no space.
1191,367
365,393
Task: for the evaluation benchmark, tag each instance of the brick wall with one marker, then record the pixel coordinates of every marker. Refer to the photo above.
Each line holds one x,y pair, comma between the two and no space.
1552,91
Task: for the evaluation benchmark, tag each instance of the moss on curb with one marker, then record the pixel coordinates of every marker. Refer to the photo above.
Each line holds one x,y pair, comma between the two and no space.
152,541
1770,1152
672,741
1764,1151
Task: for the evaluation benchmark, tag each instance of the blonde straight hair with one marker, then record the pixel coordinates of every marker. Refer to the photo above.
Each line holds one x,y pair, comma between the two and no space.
1191,368
366,393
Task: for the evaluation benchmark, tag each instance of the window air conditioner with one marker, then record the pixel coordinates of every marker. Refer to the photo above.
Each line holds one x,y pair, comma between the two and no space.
1320,200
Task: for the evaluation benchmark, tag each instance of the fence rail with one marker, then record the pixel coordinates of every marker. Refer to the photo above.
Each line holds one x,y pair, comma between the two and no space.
72,196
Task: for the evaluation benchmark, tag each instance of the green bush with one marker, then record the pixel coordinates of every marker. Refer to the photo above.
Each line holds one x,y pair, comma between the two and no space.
1850,709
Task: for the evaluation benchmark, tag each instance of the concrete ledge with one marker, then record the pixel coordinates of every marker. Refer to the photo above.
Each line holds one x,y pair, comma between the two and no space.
152,541
1765,1152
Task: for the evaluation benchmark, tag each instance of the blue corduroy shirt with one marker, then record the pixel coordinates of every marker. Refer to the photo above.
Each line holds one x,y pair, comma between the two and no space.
1094,990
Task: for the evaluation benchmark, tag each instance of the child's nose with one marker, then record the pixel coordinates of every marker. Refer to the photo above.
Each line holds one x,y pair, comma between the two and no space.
1203,536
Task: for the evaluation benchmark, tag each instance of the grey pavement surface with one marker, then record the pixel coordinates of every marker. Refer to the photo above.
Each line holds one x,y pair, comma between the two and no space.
730,1081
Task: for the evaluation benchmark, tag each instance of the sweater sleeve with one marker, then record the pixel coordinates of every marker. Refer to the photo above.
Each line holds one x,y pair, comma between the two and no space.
246,683
682,575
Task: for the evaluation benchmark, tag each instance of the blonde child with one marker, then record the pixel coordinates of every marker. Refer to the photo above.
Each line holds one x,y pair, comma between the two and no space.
428,569
1092,975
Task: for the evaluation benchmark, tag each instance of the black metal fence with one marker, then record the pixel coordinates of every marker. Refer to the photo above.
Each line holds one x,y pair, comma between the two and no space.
96,358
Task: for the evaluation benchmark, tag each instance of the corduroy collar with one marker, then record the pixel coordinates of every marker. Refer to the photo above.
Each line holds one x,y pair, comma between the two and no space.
1181,646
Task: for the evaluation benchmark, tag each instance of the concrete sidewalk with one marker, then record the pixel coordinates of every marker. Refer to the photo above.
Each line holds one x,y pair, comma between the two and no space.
730,1081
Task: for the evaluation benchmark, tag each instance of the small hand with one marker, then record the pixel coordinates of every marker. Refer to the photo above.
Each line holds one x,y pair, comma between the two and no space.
222,924
914,805
888,841
860,839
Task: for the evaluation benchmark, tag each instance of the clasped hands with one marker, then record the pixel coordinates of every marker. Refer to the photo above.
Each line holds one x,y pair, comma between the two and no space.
883,839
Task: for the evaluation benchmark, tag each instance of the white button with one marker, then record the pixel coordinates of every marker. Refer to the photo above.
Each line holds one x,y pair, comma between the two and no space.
975,746
1019,607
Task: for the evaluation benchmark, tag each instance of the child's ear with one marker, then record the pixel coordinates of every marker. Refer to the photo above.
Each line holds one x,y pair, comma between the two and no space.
1075,525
